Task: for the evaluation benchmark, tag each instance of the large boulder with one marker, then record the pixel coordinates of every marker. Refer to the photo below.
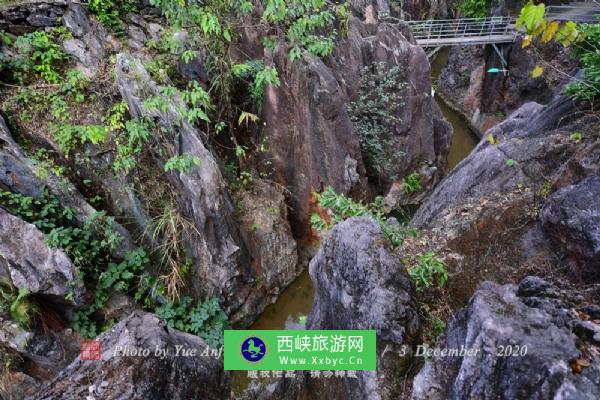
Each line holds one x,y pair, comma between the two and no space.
35,266
360,283
571,216
521,343
528,146
124,372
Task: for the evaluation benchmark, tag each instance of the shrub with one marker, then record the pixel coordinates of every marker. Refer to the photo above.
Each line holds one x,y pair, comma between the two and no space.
374,116
588,54
16,303
429,269
111,13
474,8
412,183
40,53
342,208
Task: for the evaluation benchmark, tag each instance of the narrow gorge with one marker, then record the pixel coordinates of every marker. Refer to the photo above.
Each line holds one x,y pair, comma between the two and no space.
175,170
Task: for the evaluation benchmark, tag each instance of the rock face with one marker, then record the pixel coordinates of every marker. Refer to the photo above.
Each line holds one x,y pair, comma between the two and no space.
26,17
524,140
262,212
18,175
534,320
310,136
87,45
118,375
360,284
485,98
571,216
32,264
217,250
483,218
227,263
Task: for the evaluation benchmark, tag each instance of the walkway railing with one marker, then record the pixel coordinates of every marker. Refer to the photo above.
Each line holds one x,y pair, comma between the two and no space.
448,32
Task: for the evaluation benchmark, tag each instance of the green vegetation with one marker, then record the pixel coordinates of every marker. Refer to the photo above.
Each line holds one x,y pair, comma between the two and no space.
182,163
38,54
588,54
576,137
474,8
429,269
205,319
342,208
546,190
412,183
89,249
374,116
111,13
16,303
584,38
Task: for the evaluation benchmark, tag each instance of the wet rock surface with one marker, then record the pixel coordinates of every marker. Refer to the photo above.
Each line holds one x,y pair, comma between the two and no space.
120,376
536,320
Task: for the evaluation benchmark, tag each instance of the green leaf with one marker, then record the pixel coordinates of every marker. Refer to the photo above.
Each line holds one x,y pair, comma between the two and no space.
531,16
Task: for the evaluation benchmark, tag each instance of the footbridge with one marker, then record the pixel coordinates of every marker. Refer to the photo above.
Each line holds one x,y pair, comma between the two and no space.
492,30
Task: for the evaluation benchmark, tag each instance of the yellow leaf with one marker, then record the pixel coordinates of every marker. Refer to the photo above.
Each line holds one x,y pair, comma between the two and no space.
541,27
550,31
490,138
526,41
247,116
537,71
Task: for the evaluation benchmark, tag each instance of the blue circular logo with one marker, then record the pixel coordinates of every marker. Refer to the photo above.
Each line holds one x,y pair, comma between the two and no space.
253,349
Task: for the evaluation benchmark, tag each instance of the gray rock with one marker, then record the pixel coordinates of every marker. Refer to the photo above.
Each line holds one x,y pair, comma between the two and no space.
218,250
118,375
88,46
360,284
509,316
45,16
18,175
571,216
76,20
35,266
536,153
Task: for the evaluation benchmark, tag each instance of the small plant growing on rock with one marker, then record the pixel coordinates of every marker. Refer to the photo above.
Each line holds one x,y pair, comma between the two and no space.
576,137
341,208
412,183
16,303
546,189
205,319
429,269
183,163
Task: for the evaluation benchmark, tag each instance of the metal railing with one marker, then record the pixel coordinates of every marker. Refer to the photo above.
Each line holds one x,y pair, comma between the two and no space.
462,28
